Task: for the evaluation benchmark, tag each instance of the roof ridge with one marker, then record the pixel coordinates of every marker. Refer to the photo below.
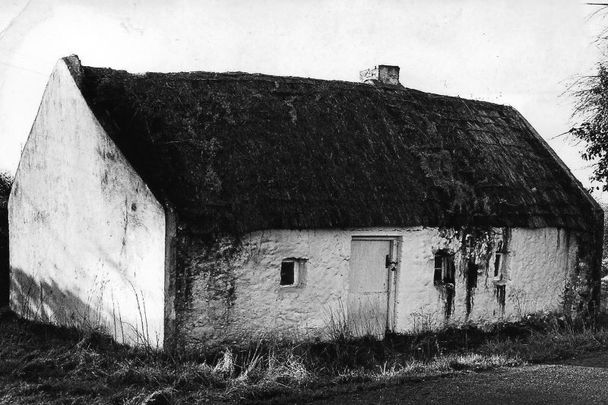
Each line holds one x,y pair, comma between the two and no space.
256,76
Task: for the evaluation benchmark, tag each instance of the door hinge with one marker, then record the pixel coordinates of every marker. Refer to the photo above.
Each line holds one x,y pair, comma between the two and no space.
390,264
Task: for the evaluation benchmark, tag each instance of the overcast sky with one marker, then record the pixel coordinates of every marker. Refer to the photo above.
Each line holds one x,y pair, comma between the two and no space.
522,53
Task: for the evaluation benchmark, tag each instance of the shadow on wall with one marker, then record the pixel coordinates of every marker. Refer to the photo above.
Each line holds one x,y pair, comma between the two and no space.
45,302
39,298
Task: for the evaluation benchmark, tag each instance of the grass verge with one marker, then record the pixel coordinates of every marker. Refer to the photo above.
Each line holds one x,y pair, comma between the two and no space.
52,365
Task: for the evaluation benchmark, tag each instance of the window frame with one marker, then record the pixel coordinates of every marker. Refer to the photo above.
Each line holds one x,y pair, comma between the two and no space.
448,272
500,255
299,265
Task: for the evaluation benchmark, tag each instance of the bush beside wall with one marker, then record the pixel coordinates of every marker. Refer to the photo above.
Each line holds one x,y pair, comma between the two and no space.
5,188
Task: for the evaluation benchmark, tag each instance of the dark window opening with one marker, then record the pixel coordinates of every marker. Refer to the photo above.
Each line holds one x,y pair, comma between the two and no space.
444,268
288,269
497,264
472,269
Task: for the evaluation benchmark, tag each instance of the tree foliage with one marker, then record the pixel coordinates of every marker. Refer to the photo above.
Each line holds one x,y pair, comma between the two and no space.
5,187
592,110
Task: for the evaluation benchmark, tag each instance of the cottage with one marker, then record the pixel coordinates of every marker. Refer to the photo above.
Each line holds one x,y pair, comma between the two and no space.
185,209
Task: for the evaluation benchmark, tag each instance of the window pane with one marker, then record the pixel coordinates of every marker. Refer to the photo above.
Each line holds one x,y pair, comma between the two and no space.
438,276
287,272
497,264
450,270
438,261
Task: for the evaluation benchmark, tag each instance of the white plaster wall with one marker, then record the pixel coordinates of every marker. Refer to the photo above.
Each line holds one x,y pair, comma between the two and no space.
87,237
537,266
262,307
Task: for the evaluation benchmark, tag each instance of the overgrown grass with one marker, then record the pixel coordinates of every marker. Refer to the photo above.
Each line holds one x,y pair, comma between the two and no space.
551,338
45,364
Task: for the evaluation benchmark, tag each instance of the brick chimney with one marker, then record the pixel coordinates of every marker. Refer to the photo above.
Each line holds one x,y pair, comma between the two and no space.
385,74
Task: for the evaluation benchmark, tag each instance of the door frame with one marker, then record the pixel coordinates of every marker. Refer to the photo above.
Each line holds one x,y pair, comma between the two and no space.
392,275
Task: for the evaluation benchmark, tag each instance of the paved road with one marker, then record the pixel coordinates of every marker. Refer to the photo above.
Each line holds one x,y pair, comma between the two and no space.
580,381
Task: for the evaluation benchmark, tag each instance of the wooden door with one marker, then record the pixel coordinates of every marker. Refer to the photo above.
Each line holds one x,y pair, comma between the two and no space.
368,297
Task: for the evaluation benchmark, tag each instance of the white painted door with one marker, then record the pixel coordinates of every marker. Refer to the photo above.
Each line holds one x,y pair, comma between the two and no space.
368,297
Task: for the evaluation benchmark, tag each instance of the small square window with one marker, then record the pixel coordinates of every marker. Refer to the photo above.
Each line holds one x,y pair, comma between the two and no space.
291,272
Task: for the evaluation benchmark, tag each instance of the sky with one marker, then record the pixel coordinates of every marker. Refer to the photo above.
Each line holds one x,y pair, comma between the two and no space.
517,52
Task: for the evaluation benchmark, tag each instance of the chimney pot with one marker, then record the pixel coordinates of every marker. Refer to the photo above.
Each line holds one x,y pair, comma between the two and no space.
385,74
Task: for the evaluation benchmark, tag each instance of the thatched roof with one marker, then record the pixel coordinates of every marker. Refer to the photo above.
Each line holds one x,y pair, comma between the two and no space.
236,152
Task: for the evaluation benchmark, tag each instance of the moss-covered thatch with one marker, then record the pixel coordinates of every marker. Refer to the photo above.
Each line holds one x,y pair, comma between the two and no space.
236,152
